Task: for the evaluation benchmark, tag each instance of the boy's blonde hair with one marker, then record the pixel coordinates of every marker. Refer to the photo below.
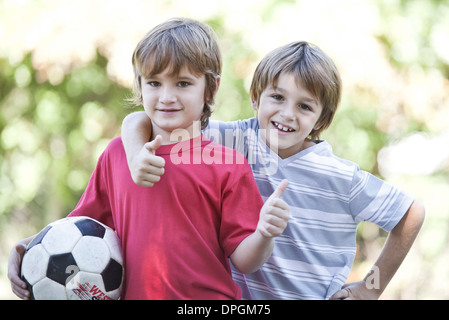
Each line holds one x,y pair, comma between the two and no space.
174,44
311,67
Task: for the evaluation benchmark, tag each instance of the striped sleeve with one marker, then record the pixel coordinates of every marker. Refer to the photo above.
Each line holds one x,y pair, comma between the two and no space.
372,199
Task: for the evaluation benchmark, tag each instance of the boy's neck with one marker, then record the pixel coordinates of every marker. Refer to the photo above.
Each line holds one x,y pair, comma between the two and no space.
179,134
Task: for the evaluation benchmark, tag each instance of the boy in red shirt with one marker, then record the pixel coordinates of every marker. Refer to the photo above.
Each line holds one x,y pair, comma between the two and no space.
178,235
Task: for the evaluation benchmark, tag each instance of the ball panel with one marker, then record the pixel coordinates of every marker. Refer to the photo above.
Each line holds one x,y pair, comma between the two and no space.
61,239
115,247
34,264
47,289
114,294
112,275
90,227
91,254
38,238
60,267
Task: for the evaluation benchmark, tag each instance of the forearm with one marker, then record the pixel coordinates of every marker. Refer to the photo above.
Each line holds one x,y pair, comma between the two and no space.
136,131
396,247
252,253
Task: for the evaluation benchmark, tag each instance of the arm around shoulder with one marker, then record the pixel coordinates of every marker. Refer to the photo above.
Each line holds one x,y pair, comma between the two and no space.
136,131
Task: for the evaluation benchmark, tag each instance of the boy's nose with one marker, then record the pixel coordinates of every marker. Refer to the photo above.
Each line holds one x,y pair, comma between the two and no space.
167,96
288,112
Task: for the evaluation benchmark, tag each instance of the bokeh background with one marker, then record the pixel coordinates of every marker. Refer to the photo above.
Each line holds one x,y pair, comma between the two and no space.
65,71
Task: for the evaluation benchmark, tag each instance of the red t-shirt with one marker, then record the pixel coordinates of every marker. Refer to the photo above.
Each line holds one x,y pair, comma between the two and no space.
177,235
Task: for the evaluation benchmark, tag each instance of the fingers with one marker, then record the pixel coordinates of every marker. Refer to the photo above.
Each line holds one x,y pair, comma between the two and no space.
18,286
148,179
275,220
20,292
154,161
275,213
279,203
147,176
275,223
149,163
147,168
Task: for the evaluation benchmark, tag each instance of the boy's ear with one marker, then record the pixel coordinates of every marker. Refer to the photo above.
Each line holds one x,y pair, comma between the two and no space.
318,125
218,80
254,104
213,94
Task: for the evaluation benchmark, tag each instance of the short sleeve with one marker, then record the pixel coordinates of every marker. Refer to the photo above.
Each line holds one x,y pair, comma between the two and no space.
240,209
233,134
374,200
94,202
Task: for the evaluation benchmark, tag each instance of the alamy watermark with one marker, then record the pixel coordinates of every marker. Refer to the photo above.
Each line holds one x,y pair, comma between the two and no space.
372,281
246,142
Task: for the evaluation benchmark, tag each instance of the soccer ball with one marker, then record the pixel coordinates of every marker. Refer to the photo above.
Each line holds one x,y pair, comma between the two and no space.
75,258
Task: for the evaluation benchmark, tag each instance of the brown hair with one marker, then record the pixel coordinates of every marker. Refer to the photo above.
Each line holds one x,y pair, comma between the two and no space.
311,67
177,43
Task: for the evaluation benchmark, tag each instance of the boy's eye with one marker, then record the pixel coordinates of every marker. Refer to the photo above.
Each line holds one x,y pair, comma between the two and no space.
153,84
183,84
277,97
305,107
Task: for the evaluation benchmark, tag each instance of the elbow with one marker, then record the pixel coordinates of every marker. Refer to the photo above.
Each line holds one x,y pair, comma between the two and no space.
413,219
246,269
411,223
245,264
420,213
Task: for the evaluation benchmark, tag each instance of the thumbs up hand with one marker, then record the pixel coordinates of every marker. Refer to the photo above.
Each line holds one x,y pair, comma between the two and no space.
274,214
152,146
146,167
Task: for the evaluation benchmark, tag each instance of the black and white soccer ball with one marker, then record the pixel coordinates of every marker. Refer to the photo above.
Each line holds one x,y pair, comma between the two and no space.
75,258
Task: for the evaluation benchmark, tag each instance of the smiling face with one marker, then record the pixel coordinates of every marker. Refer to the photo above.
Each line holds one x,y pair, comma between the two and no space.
287,114
159,62
174,101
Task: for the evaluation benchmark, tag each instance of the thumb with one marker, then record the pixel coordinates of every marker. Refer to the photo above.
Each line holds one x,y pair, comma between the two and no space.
152,146
280,189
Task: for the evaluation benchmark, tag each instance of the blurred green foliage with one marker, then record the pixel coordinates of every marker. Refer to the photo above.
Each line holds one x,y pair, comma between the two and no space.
51,136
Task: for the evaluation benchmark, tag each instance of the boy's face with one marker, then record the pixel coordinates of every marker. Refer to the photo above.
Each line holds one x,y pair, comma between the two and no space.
174,101
287,113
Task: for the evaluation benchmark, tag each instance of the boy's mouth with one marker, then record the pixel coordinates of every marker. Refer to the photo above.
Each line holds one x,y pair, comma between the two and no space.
281,127
168,110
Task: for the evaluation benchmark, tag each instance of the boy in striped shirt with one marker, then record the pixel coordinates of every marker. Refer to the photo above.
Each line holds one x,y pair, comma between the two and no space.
295,91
